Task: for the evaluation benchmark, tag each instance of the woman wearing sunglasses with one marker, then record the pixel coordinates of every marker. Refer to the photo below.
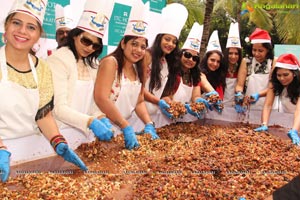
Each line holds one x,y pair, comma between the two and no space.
213,70
120,80
74,68
187,87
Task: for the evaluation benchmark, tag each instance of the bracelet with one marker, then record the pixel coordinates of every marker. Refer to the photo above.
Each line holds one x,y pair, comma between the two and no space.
264,123
57,140
152,122
3,147
90,121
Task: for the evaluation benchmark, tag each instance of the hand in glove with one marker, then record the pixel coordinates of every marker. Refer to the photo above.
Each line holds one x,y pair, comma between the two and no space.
149,128
261,128
69,155
130,138
211,93
163,105
190,111
107,123
293,134
4,164
219,106
101,130
254,98
238,98
206,103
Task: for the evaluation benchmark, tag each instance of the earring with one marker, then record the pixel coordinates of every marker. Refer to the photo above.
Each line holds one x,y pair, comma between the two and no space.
36,47
3,39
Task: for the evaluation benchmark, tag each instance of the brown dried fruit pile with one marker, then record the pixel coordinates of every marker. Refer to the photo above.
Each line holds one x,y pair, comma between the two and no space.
198,107
190,161
177,109
216,101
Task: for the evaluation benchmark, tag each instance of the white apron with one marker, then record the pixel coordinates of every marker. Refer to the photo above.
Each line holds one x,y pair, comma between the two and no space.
285,104
153,108
229,91
127,99
256,83
18,109
184,95
81,101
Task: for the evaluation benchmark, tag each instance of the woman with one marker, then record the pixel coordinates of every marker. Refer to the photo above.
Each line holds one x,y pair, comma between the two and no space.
120,82
232,61
213,70
187,87
285,84
254,72
26,93
74,69
161,60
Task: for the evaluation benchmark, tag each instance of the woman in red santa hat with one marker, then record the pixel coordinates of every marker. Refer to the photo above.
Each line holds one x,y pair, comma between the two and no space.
285,84
255,70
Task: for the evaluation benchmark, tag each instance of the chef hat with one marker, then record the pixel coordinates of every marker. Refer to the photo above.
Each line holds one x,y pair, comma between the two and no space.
260,36
64,17
34,8
174,16
287,61
233,39
95,16
214,43
138,19
193,40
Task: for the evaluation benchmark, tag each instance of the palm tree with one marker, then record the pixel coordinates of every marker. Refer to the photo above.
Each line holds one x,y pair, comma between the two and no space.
209,5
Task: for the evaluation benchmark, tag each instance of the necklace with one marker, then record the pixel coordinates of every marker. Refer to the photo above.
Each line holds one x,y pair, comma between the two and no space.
186,77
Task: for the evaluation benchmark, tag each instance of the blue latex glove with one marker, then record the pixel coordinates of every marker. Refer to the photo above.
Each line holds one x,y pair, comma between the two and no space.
107,123
218,106
101,131
130,138
149,128
69,155
261,128
163,105
211,93
4,164
293,134
240,109
206,103
254,98
190,111
238,97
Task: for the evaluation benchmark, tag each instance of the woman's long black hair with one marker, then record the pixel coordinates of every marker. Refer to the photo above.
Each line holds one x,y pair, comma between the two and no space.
118,53
172,60
293,89
215,78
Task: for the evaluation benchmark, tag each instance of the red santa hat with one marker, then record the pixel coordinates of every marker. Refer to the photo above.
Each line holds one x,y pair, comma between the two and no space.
260,36
288,61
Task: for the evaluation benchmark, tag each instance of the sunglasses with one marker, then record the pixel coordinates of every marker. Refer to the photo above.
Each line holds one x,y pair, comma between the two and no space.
87,42
188,55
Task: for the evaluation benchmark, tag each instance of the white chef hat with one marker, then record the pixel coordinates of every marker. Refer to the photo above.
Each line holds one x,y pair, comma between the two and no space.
214,43
138,19
64,17
193,40
174,16
95,16
34,8
233,39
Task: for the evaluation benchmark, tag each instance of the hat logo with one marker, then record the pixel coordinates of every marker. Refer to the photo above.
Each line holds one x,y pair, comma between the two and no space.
215,43
234,41
139,27
34,5
64,21
98,22
194,43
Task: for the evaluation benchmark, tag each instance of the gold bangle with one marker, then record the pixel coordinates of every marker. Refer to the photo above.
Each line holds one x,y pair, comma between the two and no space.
90,121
